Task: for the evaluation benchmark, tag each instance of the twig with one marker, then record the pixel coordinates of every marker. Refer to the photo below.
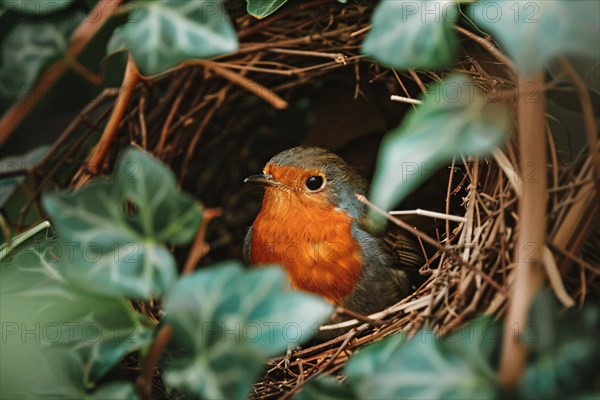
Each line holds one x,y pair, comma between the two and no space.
578,260
489,46
532,229
509,170
448,192
402,99
187,81
403,87
358,317
247,84
429,240
554,277
588,118
576,223
142,120
431,214
79,39
418,80
199,247
97,159
337,57
362,30
144,382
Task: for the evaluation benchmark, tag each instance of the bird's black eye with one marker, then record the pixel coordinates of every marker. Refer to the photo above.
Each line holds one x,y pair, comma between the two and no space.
314,182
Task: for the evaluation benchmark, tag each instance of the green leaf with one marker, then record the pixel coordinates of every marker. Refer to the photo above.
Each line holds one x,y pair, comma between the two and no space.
455,118
64,380
326,388
29,48
409,34
565,350
425,367
7,186
534,33
161,34
46,321
108,250
116,391
36,7
263,8
227,322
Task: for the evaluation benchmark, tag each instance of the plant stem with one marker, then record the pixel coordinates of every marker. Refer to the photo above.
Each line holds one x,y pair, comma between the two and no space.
200,248
88,28
531,228
96,160
588,118
144,382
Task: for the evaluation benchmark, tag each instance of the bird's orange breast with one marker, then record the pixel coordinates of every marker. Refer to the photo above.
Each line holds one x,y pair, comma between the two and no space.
312,240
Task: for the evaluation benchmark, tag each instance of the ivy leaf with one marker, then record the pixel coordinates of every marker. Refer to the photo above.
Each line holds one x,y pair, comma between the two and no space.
8,186
227,322
64,380
565,350
161,34
425,367
46,321
534,33
455,118
263,8
114,229
36,7
409,34
29,48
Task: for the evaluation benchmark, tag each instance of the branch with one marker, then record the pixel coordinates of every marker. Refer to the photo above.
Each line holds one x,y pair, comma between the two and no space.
253,87
96,160
588,117
79,39
144,382
200,248
531,228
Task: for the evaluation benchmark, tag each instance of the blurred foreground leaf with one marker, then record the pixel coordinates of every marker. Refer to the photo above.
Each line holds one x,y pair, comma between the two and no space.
7,186
36,7
29,48
426,366
57,340
114,229
565,350
65,380
227,322
161,34
455,118
410,34
325,388
533,33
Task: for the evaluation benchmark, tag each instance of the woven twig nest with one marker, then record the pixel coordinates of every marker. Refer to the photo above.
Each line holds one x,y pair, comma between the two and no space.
215,123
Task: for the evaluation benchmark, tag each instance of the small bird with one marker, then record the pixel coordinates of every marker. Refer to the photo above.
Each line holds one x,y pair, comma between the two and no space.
313,225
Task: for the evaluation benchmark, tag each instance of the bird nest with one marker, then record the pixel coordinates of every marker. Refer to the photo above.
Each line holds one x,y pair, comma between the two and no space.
215,122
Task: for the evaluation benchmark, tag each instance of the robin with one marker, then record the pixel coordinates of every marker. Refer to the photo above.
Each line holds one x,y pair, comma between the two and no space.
313,225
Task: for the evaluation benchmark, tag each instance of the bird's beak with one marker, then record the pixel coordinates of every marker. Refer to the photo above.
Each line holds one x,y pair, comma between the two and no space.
263,180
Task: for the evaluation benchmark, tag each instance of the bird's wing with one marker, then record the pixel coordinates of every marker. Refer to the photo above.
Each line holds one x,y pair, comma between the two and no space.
246,249
405,248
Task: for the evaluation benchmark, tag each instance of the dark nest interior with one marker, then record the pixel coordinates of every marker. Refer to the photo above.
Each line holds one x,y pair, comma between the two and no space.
299,78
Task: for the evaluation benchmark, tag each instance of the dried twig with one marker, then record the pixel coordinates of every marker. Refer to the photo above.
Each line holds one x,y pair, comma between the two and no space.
96,160
532,229
80,38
